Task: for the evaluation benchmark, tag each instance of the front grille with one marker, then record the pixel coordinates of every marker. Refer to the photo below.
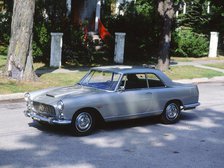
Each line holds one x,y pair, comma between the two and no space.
44,109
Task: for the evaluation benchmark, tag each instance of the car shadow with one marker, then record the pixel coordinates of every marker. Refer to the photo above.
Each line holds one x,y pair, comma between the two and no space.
62,130
107,126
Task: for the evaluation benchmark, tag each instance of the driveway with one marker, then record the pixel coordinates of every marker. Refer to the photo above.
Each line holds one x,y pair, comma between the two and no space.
196,141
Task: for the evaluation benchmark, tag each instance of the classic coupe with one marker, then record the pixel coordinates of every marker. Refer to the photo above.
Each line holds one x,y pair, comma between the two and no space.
112,93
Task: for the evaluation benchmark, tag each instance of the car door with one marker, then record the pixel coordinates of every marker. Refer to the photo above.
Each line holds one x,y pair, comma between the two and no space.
159,93
133,98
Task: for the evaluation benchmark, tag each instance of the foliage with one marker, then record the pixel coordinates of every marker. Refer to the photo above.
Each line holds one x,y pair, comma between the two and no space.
189,43
41,43
216,22
138,21
78,46
196,17
5,22
49,17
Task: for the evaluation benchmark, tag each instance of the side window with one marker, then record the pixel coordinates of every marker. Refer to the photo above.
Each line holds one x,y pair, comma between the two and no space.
134,81
154,81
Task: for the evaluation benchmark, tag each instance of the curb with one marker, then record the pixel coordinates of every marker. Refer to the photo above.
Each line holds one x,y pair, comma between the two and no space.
16,96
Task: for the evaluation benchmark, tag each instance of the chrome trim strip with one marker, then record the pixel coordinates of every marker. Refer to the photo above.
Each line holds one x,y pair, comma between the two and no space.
135,116
49,120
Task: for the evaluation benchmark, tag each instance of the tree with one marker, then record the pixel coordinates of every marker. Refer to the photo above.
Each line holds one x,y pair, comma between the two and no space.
19,60
166,11
196,17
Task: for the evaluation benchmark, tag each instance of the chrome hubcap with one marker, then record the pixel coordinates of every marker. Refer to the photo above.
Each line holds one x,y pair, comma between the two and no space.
83,122
172,111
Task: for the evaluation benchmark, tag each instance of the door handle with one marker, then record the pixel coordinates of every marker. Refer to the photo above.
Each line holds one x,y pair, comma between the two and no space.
148,93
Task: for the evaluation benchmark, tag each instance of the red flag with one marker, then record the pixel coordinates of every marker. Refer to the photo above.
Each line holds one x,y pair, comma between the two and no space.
104,34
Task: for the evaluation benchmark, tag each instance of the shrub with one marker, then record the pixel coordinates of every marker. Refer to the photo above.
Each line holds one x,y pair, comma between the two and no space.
138,21
5,21
77,45
41,43
189,43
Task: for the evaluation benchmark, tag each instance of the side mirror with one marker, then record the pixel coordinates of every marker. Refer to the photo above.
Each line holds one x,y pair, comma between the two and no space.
121,89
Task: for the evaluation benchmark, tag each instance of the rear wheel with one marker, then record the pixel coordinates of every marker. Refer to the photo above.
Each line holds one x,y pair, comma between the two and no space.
83,123
171,113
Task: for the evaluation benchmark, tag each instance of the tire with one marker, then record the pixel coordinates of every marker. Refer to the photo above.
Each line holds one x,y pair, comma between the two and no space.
171,113
83,123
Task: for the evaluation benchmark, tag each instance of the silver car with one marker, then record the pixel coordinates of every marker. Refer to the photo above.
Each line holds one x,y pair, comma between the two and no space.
112,93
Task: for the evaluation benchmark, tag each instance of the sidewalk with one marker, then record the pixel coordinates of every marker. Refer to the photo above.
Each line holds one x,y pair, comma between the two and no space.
200,64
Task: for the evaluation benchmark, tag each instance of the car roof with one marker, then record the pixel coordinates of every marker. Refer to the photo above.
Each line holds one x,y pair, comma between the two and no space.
125,69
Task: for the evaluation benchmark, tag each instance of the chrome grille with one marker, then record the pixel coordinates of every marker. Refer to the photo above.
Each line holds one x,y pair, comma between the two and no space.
44,109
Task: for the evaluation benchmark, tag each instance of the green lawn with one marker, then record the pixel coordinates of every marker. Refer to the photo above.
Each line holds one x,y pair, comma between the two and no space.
190,72
64,79
45,81
2,61
191,59
216,65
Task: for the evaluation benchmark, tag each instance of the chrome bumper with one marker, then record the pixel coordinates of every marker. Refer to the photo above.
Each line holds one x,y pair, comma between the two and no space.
49,120
190,106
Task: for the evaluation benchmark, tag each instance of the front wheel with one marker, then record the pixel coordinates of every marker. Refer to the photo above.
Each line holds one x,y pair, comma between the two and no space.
171,113
83,123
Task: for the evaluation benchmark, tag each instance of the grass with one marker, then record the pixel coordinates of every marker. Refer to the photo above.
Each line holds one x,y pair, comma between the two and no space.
2,61
45,81
190,72
8,86
65,79
217,65
191,59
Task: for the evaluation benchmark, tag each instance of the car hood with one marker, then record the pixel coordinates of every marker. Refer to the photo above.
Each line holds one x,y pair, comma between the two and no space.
76,90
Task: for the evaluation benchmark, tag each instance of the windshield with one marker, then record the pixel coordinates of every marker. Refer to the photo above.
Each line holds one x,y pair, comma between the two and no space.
101,80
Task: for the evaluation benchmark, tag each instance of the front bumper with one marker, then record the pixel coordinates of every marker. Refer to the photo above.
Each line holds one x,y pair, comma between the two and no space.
50,120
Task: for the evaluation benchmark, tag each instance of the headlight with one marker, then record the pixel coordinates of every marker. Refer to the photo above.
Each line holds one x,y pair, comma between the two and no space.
60,105
27,97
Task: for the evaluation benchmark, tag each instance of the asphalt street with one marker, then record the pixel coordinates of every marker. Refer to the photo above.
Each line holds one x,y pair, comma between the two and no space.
197,141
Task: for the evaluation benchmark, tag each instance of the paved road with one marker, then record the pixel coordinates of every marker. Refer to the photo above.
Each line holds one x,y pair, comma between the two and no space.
197,141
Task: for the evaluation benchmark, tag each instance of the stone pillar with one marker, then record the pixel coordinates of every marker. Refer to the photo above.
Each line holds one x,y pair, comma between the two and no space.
213,46
119,48
69,7
177,14
56,49
208,7
184,8
98,7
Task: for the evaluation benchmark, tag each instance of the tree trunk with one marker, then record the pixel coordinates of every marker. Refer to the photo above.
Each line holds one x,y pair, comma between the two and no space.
166,11
20,61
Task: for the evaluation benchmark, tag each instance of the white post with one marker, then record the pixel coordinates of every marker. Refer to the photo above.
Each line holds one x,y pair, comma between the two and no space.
185,8
56,49
213,46
69,7
98,7
208,7
119,48
177,14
